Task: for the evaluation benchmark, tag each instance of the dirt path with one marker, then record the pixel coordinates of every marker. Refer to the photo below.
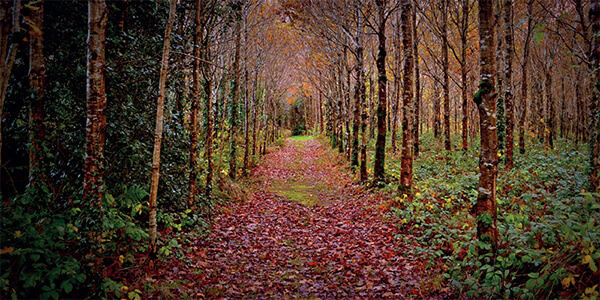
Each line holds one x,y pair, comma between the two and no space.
307,232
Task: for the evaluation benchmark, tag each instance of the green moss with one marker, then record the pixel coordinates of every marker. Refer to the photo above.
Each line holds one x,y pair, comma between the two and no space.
485,87
485,219
301,138
297,192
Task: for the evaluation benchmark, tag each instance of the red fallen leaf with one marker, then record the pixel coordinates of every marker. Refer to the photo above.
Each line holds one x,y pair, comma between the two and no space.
312,263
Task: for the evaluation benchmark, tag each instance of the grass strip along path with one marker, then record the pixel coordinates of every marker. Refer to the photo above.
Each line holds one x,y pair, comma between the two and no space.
307,232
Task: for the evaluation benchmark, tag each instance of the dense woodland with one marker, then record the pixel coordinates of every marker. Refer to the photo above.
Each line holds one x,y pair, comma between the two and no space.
127,125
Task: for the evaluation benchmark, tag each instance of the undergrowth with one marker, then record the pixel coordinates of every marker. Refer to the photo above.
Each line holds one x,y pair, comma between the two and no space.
549,225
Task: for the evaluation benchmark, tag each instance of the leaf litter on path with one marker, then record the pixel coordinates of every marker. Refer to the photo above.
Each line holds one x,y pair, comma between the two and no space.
307,232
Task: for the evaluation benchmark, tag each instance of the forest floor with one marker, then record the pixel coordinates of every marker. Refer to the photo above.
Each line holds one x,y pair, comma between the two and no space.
308,231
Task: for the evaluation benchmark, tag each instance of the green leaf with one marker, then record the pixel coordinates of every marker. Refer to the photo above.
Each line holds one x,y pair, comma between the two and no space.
67,286
593,266
534,275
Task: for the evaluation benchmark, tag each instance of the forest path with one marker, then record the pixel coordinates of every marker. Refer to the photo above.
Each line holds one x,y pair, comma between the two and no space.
308,231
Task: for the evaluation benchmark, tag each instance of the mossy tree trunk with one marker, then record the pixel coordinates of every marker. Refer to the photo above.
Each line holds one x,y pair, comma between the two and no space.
37,83
379,169
164,68
485,98
195,103
9,26
235,91
446,83
95,129
407,121
595,57
508,94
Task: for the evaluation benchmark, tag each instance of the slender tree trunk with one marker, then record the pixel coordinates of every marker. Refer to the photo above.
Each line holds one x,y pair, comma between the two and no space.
580,106
95,128
379,169
9,25
358,97
550,104
408,120
508,95
464,72
164,68
246,108
246,129
362,105
37,82
563,109
437,111
446,83
595,57
195,102
524,83
234,95
417,85
500,109
208,119
96,105
485,98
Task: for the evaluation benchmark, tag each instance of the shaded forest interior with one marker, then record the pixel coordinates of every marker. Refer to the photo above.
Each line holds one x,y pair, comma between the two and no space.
128,127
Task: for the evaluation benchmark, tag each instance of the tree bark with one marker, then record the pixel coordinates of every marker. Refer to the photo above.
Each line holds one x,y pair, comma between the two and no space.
408,120
164,68
246,109
234,94
550,110
446,83
595,58
379,169
9,25
485,98
464,72
437,111
358,97
195,101
417,114
209,136
37,83
524,83
508,94
93,179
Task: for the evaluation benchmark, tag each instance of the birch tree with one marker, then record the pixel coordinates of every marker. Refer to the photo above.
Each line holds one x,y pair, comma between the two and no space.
164,68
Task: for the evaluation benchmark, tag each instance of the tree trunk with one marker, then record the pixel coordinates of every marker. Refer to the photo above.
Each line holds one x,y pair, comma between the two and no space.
407,121
595,57
209,137
234,94
9,25
195,102
379,169
437,111
446,83
524,83
246,128
485,98
164,68
95,128
464,72
417,122
550,105
358,97
508,95
500,107
37,82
